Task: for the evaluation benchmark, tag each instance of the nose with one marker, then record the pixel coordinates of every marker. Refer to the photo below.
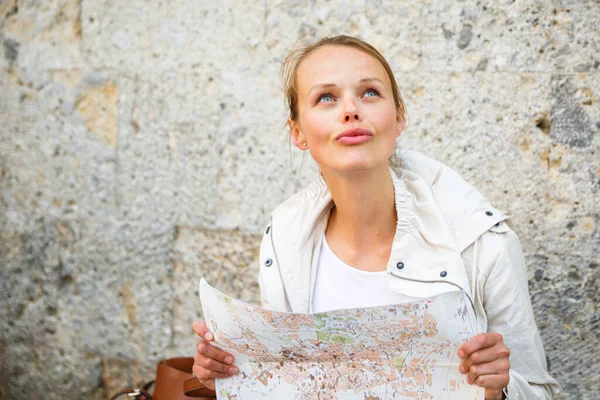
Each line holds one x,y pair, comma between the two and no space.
351,112
351,116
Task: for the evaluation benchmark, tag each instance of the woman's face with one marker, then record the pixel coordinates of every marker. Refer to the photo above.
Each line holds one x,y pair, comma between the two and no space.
346,111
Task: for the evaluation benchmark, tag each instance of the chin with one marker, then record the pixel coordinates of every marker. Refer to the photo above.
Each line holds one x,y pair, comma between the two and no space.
359,164
353,160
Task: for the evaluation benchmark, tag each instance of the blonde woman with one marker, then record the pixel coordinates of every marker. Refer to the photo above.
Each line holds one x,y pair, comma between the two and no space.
381,226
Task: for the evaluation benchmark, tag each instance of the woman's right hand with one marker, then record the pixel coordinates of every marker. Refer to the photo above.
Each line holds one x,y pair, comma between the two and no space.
210,362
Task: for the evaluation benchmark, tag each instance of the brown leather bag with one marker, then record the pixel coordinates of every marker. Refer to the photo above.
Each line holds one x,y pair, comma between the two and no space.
174,381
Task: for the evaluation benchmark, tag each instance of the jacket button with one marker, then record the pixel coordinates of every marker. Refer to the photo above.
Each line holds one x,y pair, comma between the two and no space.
489,213
268,262
400,265
443,274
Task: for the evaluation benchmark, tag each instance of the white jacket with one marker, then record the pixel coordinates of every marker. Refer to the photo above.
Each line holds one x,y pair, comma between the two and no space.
448,237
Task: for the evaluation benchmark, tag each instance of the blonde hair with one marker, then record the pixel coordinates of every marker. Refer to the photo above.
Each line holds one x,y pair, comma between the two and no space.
289,69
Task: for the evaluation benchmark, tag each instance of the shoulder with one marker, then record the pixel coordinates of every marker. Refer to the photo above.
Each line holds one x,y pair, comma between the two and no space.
499,252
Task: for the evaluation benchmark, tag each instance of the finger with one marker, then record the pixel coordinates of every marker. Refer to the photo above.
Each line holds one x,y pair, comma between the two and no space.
487,355
210,351
500,366
479,341
493,382
205,375
202,330
214,365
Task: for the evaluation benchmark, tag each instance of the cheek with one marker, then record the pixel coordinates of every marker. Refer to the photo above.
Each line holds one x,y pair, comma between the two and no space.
384,119
315,126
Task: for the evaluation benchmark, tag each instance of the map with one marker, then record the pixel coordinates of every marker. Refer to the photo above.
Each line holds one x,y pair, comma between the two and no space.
402,351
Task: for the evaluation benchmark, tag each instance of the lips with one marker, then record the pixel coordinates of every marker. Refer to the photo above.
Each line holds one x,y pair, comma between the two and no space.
354,136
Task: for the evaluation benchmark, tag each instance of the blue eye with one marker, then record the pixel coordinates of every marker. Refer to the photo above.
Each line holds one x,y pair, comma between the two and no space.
371,93
325,98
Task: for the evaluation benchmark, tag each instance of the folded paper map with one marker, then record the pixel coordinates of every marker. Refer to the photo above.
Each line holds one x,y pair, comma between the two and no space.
401,351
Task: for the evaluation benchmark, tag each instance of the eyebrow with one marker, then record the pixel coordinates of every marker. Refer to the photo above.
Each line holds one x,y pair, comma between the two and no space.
329,85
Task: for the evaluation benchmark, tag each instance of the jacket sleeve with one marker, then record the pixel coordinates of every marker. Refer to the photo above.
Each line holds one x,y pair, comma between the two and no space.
508,309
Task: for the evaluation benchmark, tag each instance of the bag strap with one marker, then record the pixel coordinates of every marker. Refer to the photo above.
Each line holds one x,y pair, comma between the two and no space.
193,388
138,394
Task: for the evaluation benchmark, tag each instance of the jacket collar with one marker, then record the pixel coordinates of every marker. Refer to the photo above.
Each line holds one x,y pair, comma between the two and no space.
439,215
467,212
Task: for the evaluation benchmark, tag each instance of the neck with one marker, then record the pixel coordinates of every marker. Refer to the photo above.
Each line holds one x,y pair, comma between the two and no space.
364,216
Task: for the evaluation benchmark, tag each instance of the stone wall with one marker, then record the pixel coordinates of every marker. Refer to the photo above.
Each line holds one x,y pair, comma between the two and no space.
142,147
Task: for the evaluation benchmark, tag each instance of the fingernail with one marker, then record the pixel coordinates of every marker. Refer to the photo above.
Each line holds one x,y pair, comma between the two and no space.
461,369
228,360
208,336
232,370
461,354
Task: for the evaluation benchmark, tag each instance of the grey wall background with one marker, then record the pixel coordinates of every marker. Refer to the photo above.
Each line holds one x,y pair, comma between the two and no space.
142,147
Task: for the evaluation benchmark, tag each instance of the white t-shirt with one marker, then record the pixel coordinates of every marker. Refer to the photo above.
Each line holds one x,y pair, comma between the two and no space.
339,286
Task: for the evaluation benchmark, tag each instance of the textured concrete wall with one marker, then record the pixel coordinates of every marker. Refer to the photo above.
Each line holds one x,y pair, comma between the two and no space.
141,147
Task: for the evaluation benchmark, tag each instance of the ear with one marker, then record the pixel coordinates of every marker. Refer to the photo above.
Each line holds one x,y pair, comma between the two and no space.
400,123
297,135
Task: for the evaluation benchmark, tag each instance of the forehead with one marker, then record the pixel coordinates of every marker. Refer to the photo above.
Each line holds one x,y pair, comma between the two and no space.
338,65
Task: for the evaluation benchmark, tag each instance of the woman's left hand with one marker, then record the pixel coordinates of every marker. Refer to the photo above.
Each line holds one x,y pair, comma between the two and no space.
485,361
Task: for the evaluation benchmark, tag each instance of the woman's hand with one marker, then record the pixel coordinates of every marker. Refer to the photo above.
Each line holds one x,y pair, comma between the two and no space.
210,362
485,361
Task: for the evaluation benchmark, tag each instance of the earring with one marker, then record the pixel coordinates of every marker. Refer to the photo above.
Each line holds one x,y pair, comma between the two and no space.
304,144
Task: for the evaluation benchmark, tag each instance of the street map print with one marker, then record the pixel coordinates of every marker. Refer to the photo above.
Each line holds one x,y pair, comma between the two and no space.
402,351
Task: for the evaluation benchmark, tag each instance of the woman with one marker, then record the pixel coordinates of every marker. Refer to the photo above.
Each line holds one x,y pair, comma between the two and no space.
381,227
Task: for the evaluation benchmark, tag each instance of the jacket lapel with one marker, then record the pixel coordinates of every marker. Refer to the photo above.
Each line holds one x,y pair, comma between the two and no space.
424,251
297,228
